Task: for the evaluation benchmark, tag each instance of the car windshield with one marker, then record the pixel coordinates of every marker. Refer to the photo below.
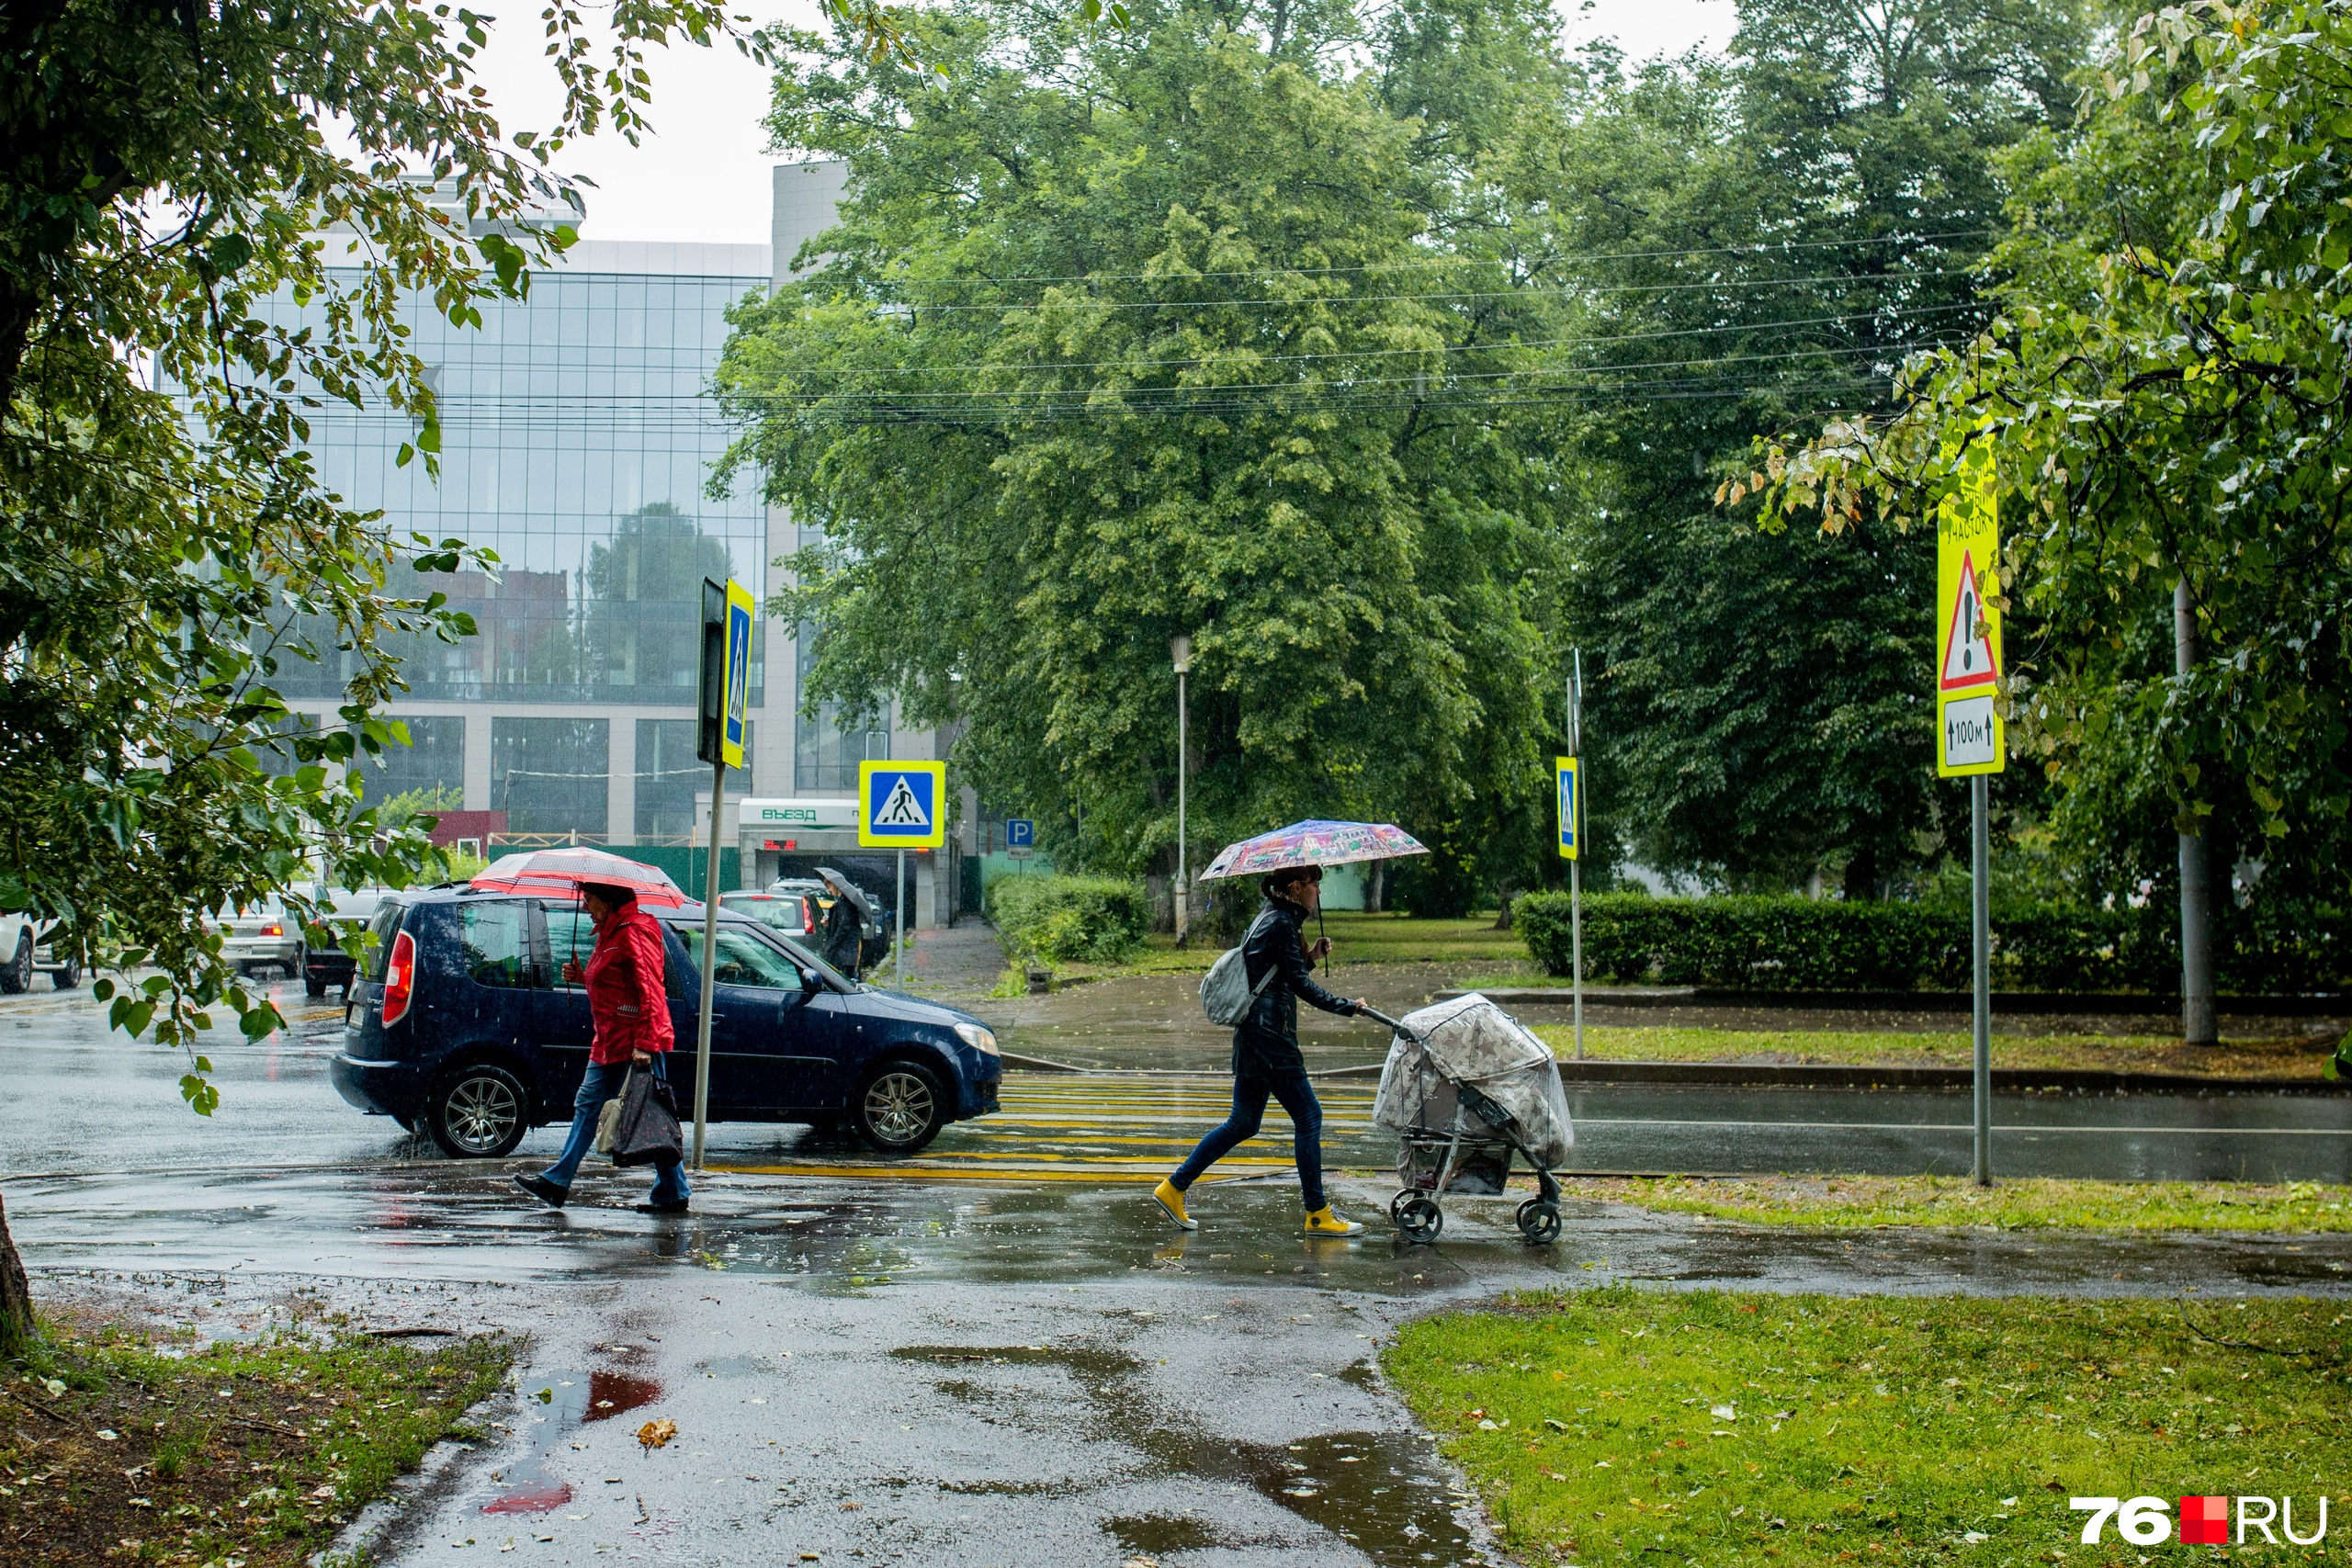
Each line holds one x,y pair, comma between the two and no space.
781,911
747,960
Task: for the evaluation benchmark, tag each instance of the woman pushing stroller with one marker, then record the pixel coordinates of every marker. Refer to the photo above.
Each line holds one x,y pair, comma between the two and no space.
1266,1060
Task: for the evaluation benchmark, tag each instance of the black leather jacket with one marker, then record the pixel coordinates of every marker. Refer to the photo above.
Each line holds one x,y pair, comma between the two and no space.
1265,1045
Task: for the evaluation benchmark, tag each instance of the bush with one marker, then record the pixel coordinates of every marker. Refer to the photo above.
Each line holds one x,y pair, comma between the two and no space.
1806,945
1069,919
1222,921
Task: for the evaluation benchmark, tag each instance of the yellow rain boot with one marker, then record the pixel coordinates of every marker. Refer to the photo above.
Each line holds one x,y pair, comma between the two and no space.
1169,1199
1325,1222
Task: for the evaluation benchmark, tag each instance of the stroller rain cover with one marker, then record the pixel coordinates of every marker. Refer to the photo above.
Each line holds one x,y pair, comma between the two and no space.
1470,1040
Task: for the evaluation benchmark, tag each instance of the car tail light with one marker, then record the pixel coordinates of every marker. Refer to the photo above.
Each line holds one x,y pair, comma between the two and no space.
400,978
273,930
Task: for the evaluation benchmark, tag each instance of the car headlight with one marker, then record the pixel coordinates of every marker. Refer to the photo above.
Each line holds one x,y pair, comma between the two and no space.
978,1039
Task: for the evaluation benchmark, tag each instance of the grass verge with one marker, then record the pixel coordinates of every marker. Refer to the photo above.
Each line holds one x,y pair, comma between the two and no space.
116,1448
2040,1204
1625,1426
2125,1053
1356,938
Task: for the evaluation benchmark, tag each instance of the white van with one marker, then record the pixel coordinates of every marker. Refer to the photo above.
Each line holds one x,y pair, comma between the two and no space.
26,951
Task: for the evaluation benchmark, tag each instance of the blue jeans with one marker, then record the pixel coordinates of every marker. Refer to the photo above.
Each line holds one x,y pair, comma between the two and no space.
1248,1109
603,1081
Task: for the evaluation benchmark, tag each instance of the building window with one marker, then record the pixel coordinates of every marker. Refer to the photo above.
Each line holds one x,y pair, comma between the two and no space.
669,776
548,776
827,748
432,763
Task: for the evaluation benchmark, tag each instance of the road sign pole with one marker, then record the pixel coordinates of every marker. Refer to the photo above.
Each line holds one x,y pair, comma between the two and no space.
709,960
899,922
1576,866
1982,900
1182,865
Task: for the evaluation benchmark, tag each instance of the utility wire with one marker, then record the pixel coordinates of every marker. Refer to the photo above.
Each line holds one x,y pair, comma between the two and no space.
1761,247
893,307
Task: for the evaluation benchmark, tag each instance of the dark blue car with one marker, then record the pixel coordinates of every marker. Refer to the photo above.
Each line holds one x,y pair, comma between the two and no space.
461,1026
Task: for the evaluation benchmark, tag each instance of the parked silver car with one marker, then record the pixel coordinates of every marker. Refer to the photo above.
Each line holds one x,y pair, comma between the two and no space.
264,936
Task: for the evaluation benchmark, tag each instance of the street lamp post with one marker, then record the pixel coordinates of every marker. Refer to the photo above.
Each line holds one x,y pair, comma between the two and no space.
1179,649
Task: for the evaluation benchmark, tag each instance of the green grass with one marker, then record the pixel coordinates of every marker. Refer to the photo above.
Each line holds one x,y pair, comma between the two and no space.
1872,1430
2133,1052
2038,1203
116,1448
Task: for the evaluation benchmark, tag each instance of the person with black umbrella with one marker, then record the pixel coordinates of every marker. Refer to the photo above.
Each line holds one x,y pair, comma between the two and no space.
844,923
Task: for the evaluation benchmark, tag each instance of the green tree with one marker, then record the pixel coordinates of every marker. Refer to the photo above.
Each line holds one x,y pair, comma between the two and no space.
1765,239
166,170
1187,331
2166,394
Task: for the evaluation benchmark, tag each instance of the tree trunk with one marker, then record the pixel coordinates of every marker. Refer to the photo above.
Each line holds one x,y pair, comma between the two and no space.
1375,888
16,1292
1861,875
1503,916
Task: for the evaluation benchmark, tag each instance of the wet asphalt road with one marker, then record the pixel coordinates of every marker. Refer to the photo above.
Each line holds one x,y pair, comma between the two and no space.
1031,1370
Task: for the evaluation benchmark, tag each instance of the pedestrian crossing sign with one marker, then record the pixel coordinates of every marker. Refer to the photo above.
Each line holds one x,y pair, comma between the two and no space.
902,805
1566,776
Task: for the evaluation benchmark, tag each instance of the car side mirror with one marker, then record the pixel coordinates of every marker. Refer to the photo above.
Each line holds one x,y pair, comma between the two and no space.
811,981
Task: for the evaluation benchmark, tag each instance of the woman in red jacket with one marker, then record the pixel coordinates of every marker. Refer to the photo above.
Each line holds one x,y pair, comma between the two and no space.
631,1012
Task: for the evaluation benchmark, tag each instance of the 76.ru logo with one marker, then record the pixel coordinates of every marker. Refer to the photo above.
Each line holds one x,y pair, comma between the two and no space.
2204,1521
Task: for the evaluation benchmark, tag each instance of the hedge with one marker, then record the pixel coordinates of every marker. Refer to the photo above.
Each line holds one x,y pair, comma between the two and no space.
1068,919
1808,945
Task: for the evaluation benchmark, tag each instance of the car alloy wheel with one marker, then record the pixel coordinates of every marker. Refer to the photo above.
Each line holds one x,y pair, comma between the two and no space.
481,1114
899,1109
18,974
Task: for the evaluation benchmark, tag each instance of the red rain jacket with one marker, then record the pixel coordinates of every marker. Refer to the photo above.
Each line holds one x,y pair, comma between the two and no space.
625,989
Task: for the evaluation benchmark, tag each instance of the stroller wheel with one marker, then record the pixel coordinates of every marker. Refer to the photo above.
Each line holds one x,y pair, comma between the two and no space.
1418,1215
1539,1222
1396,1207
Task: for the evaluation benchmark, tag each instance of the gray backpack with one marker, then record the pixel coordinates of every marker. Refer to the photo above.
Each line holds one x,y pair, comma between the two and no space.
1227,995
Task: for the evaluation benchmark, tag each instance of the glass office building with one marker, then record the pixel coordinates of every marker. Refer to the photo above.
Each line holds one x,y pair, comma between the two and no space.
577,441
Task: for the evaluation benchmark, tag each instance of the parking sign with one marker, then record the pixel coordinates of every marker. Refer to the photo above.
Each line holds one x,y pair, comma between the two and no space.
903,806
1020,833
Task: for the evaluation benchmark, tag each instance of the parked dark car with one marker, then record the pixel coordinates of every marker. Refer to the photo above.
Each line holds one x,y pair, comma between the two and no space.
461,1026
327,968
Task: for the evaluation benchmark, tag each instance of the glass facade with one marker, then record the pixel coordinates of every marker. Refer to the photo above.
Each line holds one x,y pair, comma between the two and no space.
668,776
827,748
434,758
576,438
549,774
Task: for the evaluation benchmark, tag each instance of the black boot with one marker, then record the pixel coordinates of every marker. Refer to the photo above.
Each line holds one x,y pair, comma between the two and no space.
545,1191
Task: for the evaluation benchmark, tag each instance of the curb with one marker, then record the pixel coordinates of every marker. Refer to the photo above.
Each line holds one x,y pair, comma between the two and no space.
1773,1075
2086,1003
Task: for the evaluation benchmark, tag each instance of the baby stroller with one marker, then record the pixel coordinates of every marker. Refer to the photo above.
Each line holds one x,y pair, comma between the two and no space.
1465,1089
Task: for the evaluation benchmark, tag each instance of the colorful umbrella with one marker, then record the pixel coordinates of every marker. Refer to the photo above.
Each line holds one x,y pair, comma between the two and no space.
1313,843
561,872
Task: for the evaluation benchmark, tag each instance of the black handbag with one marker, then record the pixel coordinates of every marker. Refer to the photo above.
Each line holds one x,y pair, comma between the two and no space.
647,1131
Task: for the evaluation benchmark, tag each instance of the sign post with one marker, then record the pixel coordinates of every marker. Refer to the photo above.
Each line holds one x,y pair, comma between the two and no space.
1567,773
718,740
1971,741
902,806
1021,838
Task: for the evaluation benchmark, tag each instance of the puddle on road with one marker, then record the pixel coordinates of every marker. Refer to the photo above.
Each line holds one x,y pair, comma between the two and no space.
571,1400
615,1393
1380,1492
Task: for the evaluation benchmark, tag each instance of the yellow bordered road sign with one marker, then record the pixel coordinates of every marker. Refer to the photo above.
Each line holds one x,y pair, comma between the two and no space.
1970,735
1570,782
902,806
740,607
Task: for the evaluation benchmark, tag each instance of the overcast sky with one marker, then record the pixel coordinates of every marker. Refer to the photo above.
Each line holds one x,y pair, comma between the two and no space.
704,175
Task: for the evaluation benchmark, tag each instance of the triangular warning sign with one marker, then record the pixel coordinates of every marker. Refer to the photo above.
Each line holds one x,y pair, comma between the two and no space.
1968,657
902,810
